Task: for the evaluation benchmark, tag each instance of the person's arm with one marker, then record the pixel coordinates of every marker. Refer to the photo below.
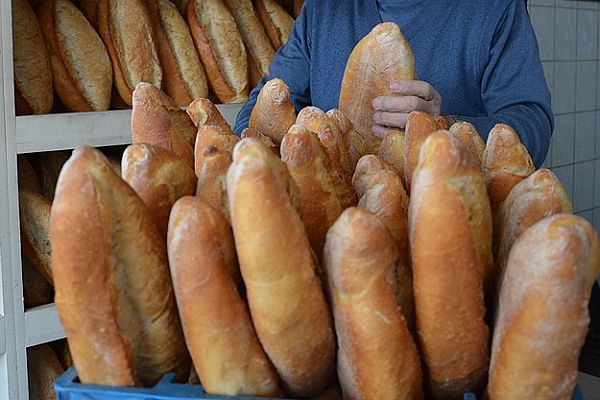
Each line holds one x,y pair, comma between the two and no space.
291,64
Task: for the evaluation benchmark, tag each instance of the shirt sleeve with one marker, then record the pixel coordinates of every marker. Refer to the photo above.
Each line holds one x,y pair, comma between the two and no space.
291,64
514,89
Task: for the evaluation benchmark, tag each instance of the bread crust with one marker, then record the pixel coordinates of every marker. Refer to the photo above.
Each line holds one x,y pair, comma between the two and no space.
203,112
354,143
274,113
468,135
418,127
277,22
392,151
34,216
43,368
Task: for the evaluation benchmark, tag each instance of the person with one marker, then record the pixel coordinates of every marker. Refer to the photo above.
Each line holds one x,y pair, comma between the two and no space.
477,61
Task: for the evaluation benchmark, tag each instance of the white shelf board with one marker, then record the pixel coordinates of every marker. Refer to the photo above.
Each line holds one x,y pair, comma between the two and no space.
2,335
42,325
37,133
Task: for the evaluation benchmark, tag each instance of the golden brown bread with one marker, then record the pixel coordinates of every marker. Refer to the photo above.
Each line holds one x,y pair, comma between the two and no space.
28,179
36,289
203,112
218,330
380,58
354,143
184,78
159,177
277,22
266,140
317,122
89,8
543,317
377,357
418,127
126,30
50,164
274,113
310,168
34,217
221,49
81,68
43,368
31,64
468,135
297,335
449,191
392,151
212,135
113,289
531,200
157,120
380,191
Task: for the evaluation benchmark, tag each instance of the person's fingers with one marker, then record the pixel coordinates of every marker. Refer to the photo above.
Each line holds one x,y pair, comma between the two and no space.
391,119
380,131
414,88
399,104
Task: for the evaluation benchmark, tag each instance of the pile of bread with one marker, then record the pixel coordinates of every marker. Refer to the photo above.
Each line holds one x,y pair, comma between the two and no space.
45,363
92,53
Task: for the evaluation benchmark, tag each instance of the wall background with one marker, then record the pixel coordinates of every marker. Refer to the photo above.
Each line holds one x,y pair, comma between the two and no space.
568,35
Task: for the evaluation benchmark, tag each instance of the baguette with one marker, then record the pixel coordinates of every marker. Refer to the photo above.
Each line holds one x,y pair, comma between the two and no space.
277,22
221,49
216,321
36,289
31,64
543,316
381,361
418,127
381,192
392,151
159,177
89,8
157,120
264,139
449,191
82,83
126,29
27,177
184,78
468,135
203,112
354,143
214,136
43,368
113,290
380,58
50,165
297,335
316,121
274,113
310,168
211,169
34,216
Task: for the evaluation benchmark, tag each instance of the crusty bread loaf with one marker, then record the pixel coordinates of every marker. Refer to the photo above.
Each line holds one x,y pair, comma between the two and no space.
221,49
297,335
213,135
27,177
449,266
89,8
418,127
184,78
218,330
264,139
277,22
157,120
111,275
36,289
380,191
316,121
377,356
392,151
50,164
82,82
542,316
34,217
274,113
203,112
380,58
43,368
310,168
354,143
126,30
468,135
159,177
31,64
531,200
505,163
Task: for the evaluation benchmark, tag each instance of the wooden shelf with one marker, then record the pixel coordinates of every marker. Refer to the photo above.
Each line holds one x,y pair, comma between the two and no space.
42,325
37,133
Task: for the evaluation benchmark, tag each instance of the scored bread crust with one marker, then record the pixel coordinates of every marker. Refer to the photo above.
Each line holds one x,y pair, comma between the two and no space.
277,22
203,112
354,143
34,215
419,126
468,135
274,113
392,151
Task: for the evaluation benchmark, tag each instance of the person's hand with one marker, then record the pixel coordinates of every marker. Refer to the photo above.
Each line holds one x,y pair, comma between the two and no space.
391,112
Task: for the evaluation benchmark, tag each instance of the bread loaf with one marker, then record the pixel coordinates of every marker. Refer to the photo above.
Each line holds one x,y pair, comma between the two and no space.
449,266
89,8
543,317
418,127
221,49
215,136
380,58
354,143
216,321
381,192
159,177
113,290
27,177
157,120
36,289
43,368
277,22
81,82
264,139
274,113
297,335
203,112
468,135
126,30
316,121
184,78
310,168
34,216
31,64
377,357
392,151
50,164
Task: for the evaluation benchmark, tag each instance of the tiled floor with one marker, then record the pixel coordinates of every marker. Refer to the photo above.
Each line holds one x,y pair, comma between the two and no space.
590,386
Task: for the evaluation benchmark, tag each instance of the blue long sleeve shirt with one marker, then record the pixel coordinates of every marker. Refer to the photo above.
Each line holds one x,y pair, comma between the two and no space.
480,55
